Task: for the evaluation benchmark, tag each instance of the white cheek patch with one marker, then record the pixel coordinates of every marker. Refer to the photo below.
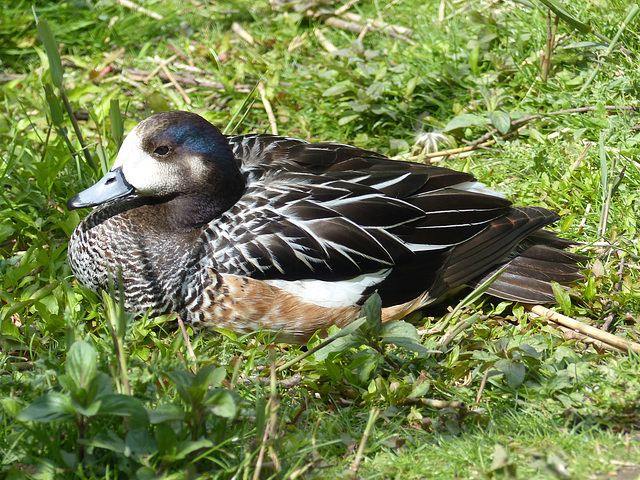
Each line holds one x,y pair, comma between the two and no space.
146,174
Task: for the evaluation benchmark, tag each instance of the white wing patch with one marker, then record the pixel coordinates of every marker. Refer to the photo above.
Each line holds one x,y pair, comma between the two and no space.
345,293
477,187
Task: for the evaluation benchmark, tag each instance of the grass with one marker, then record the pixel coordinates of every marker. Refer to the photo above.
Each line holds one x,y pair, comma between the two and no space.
88,391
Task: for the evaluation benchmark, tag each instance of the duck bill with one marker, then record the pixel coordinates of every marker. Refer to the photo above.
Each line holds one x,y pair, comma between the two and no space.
110,187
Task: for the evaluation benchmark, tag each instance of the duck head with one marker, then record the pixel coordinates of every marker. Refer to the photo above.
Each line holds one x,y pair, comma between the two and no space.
171,155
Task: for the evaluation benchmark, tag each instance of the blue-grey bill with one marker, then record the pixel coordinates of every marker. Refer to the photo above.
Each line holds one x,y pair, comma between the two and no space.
110,187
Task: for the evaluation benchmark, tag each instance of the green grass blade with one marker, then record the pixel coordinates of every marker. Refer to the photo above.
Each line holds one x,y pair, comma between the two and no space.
633,11
117,125
54,106
51,48
558,8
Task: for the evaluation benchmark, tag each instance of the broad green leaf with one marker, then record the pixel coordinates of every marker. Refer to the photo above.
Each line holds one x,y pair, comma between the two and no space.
484,356
375,90
403,334
465,120
500,459
183,382
5,232
559,382
420,390
226,333
528,351
167,412
347,119
372,310
412,84
562,297
210,376
10,406
364,373
88,409
104,385
108,440
343,340
514,372
48,408
140,441
166,439
123,406
185,448
222,403
501,121
338,89
339,345
8,328
146,473
81,364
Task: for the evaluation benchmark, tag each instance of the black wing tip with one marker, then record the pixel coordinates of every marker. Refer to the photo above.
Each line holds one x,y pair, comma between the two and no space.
529,276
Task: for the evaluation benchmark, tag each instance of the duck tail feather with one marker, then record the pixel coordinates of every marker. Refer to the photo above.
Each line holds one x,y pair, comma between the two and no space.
528,276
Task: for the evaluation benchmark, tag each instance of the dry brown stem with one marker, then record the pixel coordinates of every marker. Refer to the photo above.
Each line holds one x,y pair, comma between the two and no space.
592,332
360,24
397,29
324,41
242,33
138,8
184,78
173,81
267,107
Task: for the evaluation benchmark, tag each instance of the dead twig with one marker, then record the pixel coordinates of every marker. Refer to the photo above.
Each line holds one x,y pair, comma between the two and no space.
271,428
391,29
267,107
345,7
155,71
373,416
324,41
185,336
138,8
184,78
483,383
356,25
570,334
433,402
173,81
285,383
242,33
594,333
545,59
437,156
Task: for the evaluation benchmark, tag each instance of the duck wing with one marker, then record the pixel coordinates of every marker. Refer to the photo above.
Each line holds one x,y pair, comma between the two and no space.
336,213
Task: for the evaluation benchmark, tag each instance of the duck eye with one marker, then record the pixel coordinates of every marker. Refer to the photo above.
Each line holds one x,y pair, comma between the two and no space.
162,150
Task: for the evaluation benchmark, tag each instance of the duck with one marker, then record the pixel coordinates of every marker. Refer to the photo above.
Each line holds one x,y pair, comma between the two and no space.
263,232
